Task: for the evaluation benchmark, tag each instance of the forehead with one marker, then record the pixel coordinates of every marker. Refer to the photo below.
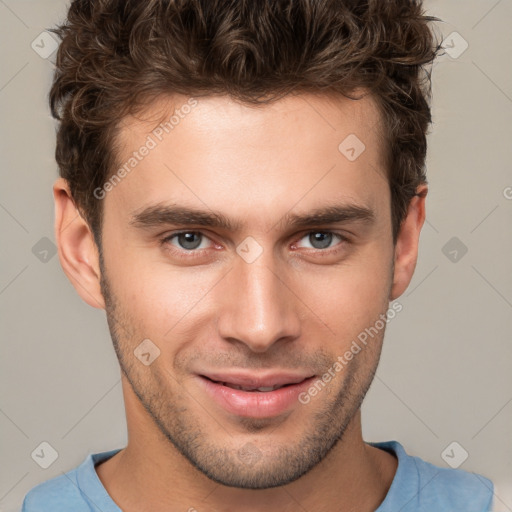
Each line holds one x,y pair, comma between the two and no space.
245,160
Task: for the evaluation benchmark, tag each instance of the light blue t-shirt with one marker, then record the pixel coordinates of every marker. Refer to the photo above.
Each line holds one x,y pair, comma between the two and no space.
418,486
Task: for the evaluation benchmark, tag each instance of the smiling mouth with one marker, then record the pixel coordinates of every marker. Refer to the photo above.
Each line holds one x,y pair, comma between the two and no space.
261,389
255,396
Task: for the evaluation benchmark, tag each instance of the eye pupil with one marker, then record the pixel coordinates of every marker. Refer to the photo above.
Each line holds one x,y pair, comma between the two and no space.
186,240
321,238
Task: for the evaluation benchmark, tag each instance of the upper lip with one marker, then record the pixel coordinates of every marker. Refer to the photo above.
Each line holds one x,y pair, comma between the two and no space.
257,381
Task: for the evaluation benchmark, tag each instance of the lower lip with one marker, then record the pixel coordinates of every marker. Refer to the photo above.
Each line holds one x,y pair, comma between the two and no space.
255,404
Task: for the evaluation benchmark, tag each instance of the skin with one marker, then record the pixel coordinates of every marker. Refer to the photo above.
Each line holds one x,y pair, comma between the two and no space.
296,307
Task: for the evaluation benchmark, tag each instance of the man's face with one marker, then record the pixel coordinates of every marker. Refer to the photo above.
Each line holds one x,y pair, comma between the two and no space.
257,300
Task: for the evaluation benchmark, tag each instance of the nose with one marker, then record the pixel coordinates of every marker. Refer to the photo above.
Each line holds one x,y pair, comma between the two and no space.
259,307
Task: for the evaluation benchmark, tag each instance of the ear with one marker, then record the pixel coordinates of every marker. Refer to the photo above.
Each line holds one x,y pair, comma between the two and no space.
78,254
406,248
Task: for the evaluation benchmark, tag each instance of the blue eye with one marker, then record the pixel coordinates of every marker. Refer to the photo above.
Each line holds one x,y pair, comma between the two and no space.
194,245
188,240
322,239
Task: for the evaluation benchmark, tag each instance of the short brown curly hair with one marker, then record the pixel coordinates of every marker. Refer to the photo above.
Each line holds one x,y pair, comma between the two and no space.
116,56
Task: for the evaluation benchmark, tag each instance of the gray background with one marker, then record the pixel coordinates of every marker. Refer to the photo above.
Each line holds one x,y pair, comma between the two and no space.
445,372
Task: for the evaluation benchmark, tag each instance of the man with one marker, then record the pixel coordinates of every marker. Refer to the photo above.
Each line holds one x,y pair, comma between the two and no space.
242,190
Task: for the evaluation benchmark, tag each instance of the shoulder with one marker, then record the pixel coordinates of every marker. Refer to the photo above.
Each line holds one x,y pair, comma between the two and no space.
453,487
55,494
421,486
79,490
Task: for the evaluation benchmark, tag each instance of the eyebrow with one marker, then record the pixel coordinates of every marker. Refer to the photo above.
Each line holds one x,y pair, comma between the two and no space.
173,214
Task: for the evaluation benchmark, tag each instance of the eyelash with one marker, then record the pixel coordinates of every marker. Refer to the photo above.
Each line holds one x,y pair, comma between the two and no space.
197,253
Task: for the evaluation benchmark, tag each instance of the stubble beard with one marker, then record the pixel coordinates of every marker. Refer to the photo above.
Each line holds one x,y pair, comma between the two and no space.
268,463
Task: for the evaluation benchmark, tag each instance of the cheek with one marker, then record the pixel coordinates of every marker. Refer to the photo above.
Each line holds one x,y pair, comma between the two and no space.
160,300
350,297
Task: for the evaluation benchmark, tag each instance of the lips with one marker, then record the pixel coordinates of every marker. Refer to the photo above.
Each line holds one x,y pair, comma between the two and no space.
247,382
252,395
261,389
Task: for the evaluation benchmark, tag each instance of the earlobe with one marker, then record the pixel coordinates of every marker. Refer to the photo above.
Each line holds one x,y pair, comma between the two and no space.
77,249
406,249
